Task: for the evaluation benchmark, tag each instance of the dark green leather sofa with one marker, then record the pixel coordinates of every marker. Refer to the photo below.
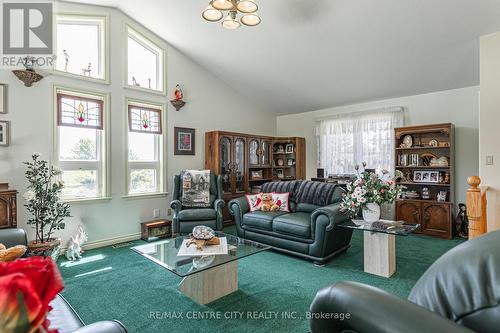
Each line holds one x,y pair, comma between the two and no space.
459,293
308,231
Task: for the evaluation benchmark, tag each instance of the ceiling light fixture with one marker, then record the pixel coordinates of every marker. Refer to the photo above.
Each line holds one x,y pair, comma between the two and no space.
247,8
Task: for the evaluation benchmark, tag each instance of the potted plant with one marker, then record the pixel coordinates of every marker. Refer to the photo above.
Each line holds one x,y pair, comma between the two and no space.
44,203
368,192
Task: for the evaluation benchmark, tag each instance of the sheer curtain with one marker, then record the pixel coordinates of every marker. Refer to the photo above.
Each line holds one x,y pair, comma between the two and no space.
349,139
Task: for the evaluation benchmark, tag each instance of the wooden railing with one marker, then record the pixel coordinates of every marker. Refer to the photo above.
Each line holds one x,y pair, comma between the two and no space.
476,207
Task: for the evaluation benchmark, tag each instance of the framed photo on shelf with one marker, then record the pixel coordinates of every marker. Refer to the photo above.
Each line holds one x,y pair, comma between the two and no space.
184,141
3,98
289,148
291,162
280,173
4,133
417,176
433,176
256,174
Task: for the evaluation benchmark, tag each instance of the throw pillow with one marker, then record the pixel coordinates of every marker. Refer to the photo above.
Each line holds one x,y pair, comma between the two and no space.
195,188
282,200
254,201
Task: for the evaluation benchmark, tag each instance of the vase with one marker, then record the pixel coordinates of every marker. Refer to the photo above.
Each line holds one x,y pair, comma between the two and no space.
50,248
371,212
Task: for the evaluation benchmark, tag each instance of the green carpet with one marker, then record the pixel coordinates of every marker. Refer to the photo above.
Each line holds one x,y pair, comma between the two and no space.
121,284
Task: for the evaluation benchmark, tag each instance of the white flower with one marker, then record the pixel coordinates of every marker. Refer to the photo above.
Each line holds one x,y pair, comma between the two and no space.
60,183
57,171
29,195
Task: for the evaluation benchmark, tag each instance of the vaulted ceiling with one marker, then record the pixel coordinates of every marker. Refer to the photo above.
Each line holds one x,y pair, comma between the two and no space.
307,55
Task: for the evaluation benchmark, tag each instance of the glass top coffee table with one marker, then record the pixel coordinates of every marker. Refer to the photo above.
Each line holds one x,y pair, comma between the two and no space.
206,278
379,243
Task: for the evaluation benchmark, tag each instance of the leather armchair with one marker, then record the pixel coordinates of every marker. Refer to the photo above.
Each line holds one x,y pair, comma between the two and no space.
63,317
460,292
185,219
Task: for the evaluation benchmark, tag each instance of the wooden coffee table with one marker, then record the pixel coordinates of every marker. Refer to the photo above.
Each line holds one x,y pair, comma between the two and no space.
205,278
379,243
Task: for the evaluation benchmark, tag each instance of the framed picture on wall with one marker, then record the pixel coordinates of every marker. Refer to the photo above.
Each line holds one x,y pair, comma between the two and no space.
3,98
184,141
4,133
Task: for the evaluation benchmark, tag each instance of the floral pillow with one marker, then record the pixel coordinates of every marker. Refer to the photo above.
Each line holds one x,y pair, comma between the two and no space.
282,200
254,201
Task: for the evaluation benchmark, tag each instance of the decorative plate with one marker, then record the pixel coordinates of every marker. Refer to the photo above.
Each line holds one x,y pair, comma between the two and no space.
434,143
203,232
280,161
408,141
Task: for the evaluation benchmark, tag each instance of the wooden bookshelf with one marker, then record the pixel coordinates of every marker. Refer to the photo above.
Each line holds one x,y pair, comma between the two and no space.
427,153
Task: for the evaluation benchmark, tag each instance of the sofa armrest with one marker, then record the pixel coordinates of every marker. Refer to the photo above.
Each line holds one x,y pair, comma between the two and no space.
107,326
219,204
238,207
13,237
176,205
332,212
368,309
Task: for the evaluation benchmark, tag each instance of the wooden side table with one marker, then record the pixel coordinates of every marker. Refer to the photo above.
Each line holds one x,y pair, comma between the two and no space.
157,229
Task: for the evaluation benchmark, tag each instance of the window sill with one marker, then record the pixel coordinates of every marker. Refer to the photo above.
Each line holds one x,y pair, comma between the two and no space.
145,195
86,200
81,77
146,90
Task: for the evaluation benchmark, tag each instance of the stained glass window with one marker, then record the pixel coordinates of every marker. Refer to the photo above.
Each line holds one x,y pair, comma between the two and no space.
79,111
144,119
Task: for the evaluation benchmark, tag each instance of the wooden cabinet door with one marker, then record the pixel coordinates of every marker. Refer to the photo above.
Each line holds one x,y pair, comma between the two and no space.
266,149
240,148
4,212
408,211
226,163
436,219
253,152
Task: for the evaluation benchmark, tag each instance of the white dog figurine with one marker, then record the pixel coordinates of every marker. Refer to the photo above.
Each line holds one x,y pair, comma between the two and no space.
74,250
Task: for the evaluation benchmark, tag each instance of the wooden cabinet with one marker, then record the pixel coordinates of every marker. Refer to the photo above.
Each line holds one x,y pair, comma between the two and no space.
8,209
436,219
409,211
245,160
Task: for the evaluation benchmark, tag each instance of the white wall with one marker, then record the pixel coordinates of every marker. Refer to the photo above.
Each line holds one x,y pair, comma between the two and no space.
489,120
211,105
458,106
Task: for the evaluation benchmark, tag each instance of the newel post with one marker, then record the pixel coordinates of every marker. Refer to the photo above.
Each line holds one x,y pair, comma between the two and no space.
477,222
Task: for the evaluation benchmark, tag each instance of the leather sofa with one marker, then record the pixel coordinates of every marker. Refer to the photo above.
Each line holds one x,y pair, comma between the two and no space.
63,317
308,231
460,292
185,219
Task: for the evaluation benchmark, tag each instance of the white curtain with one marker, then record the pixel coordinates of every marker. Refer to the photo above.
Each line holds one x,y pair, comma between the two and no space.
350,139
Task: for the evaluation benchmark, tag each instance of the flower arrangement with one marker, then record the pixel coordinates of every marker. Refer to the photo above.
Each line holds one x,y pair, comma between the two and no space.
369,188
43,199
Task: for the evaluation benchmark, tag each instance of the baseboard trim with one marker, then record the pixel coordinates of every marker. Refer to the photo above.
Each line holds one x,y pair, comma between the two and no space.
112,241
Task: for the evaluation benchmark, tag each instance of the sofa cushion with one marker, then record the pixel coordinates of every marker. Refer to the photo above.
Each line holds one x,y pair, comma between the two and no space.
297,224
320,194
197,214
282,187
306,208
260,219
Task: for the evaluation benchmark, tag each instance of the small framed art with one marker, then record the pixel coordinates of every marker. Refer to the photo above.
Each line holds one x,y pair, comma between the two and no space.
4,133
3,98
184,141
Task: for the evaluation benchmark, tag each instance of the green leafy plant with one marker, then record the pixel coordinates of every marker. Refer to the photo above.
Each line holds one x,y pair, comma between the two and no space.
370,187
43,198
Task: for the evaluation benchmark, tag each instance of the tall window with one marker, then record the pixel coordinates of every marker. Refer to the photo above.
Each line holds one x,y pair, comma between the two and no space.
145,62
81,45
347,140
81,144
145,148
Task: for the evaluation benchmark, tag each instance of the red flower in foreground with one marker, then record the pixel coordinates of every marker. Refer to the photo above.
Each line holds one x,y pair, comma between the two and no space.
26,288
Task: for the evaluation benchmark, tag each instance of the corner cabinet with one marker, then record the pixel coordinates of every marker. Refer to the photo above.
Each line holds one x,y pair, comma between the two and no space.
245,161
8,209
425,155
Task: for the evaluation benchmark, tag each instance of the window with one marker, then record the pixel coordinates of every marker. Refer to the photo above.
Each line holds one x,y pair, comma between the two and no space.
145,148
145,62
81,46
351,139
81,144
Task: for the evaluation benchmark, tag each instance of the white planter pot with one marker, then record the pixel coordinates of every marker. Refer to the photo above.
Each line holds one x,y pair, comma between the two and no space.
371,213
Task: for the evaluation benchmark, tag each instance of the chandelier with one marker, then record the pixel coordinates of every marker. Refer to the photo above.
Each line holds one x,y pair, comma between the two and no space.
246,8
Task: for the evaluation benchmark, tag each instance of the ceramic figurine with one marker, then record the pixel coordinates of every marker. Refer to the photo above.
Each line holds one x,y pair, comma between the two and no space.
88,70
74,250
178,93
66,60
462,222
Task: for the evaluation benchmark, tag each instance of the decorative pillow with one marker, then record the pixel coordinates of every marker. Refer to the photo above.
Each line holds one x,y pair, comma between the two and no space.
195,188
282,200
254,201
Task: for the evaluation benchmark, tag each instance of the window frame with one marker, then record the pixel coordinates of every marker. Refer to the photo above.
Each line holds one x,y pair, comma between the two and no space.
103,22
159,164
149,42
102,165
